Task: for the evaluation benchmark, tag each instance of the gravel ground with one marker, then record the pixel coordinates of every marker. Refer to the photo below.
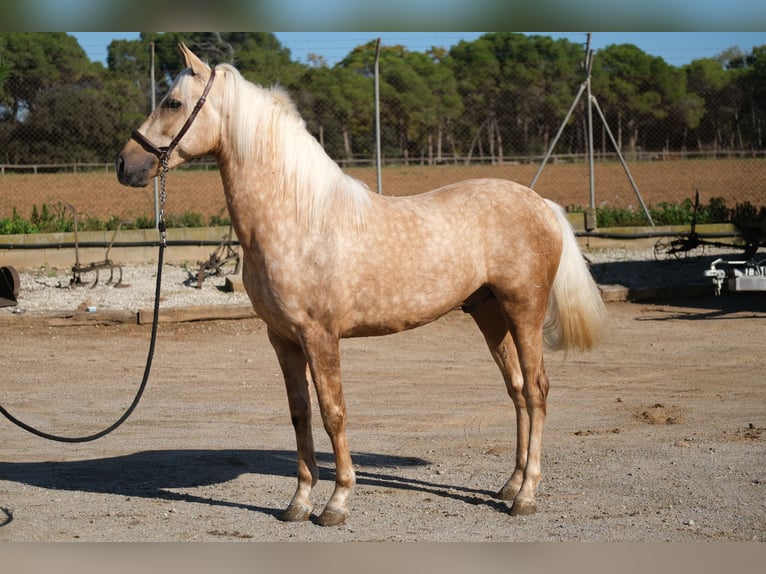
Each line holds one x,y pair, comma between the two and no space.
50,290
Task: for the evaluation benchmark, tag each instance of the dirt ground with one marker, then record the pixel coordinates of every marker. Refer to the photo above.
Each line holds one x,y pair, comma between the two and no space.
656,436
100,195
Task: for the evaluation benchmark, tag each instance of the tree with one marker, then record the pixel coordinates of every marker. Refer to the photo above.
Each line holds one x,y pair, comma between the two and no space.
539,78
5,71
753,81
709,81
34,62
42,71
447,104
477,72
258,55
337,106
63,127
261,58
504,93
131,60
410,105
519,86
634,87
405,99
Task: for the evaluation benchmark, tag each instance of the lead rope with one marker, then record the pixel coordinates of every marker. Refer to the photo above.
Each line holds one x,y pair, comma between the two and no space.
163,243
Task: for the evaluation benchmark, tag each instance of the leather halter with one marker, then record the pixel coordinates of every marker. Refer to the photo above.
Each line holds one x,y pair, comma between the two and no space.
163,153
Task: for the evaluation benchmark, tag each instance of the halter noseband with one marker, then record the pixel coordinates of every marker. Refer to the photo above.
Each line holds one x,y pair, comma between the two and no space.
163,153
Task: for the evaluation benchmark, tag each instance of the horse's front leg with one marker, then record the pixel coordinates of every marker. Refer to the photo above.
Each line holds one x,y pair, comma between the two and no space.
323,352
293,363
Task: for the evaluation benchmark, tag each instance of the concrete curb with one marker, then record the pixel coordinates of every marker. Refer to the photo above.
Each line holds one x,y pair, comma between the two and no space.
620,293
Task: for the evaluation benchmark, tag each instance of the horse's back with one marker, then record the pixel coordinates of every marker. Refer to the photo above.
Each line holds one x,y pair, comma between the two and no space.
504,215
505,191
520,234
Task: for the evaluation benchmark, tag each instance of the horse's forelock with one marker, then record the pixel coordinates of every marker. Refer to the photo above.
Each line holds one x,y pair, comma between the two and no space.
181,86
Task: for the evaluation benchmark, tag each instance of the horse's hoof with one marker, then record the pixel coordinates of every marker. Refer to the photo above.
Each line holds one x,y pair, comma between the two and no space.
523,508
296,513
332,517
507,493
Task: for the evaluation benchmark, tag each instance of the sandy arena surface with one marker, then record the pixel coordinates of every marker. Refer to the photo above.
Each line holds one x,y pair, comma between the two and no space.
658,435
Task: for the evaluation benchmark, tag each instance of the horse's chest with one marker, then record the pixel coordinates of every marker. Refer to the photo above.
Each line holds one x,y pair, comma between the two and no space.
278,291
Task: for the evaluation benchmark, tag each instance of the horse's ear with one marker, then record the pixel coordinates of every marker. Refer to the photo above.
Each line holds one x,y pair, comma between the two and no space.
197,66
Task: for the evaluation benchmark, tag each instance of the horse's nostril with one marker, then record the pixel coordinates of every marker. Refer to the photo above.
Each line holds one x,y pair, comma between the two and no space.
119,165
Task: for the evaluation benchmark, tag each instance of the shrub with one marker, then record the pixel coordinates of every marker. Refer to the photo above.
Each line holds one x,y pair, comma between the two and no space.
58,218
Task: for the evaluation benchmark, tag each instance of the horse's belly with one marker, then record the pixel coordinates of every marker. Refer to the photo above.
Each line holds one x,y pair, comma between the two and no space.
391,306
387,321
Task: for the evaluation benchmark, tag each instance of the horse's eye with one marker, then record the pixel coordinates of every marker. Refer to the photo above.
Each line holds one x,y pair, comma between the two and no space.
173,104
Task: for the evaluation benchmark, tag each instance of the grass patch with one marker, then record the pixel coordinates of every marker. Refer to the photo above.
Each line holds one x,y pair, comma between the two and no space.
668,213
57,218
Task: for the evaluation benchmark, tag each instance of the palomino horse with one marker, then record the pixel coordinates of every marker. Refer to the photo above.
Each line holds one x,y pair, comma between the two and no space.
324,258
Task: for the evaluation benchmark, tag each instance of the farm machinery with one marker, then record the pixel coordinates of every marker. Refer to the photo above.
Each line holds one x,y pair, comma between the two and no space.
225,252
79,269
738,275
745,274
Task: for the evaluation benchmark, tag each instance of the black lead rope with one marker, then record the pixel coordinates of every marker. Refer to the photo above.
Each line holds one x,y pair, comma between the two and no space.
152,341
162,154
141,388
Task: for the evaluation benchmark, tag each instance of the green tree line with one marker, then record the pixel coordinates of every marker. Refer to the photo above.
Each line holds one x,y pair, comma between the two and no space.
501,96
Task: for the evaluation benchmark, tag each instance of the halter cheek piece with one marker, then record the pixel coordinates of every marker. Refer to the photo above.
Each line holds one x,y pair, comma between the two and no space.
163,153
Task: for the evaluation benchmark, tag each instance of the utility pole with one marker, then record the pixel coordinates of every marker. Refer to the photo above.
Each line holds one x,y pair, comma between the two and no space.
590,213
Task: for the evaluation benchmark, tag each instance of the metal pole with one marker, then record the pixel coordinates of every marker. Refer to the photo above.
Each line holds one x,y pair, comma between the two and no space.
558,135
154,105
590,212
588,63
624,164
378,157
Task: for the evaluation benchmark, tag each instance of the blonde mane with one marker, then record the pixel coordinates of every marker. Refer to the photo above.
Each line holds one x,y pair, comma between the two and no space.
265,127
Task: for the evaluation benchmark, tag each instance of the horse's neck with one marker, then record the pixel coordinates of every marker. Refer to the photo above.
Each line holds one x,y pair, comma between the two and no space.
264,197
257,202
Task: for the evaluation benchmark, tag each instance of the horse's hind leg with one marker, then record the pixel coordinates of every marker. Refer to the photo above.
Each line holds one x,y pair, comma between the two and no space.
293,363
516,345
493,325
526,325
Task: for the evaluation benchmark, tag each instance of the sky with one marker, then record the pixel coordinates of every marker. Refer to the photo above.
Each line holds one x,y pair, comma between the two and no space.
676,48
330,15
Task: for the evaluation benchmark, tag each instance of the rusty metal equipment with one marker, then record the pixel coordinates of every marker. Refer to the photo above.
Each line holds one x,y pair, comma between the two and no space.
753,237
226,252
9,286
78,269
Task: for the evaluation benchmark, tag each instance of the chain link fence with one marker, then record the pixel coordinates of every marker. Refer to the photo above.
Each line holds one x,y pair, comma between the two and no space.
733,178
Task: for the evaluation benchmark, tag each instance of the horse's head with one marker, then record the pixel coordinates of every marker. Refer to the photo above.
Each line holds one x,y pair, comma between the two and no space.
180,129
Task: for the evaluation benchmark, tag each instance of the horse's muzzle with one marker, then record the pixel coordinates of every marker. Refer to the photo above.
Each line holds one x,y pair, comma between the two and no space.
135,167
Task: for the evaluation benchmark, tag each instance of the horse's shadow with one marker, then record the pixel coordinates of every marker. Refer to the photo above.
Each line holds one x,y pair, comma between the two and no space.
158,474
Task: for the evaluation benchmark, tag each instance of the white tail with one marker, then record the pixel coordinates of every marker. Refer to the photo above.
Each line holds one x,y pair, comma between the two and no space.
576,313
